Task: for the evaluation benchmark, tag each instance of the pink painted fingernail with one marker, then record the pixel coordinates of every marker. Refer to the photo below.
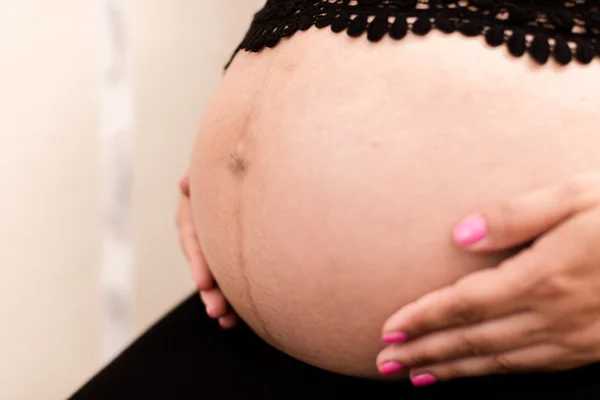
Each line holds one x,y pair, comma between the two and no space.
390,367
470,231
394,337
423,380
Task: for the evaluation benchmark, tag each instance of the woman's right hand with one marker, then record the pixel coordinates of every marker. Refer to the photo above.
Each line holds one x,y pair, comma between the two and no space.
216,305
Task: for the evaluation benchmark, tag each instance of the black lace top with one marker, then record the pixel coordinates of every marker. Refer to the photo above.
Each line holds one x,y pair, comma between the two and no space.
564,30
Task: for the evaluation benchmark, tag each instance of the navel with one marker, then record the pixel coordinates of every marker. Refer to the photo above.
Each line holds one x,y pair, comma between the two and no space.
237,163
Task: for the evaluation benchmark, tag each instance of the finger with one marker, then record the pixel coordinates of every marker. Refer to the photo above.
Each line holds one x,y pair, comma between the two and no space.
184,184
490,337
216,305
516,222
189,241
229,321
534,358
480,296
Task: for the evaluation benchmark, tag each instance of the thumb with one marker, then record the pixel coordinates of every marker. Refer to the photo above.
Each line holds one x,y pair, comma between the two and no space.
523,219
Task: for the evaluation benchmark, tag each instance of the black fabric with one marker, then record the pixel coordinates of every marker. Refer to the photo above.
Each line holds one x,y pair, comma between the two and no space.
187,356
564,30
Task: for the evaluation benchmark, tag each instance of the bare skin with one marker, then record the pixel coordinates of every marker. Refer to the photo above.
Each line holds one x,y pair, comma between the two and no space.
217,306
537,311
329,172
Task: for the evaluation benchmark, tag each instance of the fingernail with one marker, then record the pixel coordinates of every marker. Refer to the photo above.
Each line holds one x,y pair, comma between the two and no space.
209,312
470,231
394,337
423,380
184,179
390,367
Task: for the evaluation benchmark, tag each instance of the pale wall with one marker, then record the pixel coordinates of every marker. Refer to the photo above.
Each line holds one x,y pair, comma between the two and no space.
50,299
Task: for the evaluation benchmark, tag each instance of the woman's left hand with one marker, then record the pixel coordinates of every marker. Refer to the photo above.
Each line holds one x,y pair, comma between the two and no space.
537,311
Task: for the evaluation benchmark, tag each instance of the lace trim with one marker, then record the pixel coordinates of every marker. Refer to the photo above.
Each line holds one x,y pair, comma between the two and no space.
564,30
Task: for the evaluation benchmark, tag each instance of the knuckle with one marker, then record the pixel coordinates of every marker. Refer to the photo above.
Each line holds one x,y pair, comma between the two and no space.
419,354
452,371
575,187
472,346
580,324
203,284
502,363
464,312
504,217
555,285
204,279
421,359
582,191
579,341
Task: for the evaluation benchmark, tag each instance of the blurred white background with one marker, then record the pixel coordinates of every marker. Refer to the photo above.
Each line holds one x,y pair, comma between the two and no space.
55,321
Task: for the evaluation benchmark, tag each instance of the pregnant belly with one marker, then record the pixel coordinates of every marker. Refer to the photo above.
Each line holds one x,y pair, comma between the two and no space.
327,176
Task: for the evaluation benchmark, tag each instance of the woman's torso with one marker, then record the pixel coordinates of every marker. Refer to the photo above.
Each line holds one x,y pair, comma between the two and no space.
329,171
